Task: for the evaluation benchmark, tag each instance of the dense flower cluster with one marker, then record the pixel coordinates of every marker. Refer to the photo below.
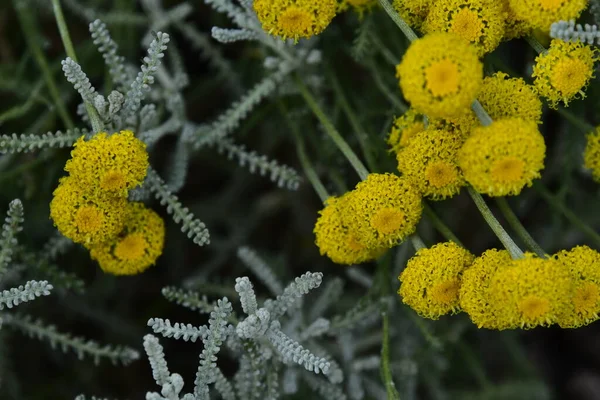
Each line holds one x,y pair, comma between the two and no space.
541,14
404,129
591,155
90,205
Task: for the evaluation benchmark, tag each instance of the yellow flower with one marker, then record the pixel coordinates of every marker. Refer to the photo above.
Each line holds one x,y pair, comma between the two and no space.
336,239
138,245
563,72
109,164
531,292
503,158
584,265
429,163
514,27
542,13
440,75
475,286
85,217
591,155
383,210
405,128
359,6
295,18
413,12
431,280
479,22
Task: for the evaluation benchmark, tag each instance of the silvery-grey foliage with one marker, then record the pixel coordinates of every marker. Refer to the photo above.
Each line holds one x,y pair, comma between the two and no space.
79,79
571,32
8,241
109,50
25,143
259,268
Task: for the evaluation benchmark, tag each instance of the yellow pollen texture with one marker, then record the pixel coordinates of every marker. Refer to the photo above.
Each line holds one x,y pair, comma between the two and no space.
507,170
442,78
440,174
295,22
388,220
113,180
534,307
88,219
551,5
132,247
586,298
569,76
467,24
446,292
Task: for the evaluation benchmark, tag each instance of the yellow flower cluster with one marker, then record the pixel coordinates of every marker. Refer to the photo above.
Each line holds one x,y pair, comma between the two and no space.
541,14
413,12
405,128
295,19
90,205
591,154
359,226
563,72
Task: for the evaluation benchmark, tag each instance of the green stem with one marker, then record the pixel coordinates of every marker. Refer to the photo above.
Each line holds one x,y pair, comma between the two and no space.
555,203
310,172
535,44
68,44
408,32
386,370
440,225
331,131
31,33
474,364
482,115
578,122
384,88
417,242
509,244
514,222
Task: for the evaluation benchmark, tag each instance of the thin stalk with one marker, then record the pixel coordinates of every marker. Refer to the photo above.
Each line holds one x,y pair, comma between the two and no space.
31,35
482,115
575,120
440,225
331,131
555,203
386,370
509,244
474,364
408,32
384,88
535,44
68,44
518,227
417,242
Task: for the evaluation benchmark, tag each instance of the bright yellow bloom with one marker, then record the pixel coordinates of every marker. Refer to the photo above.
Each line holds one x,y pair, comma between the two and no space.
440,75
85,217
584,265
542,13
109,164
475,286
383,210
413,12
563,72
591,155
503,158
429,163
138,245
514,27
359,6
531,292
336,239
431,280
479,22
295,18
405,128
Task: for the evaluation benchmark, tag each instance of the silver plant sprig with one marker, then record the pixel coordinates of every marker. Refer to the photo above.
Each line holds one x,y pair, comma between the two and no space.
79,80
8,239
177,331
189,299
22,294
568,31
25,143
109,50
260,268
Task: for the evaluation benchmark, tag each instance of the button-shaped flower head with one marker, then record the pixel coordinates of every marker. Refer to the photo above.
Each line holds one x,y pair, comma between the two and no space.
295,18
405,128
383,210
430,163
440,75
413,12
479,22
504,157
563,72
431,280
542,13
584,265
109,164
591,154
136,247
514,26
531,292
83,216
475,286
338,240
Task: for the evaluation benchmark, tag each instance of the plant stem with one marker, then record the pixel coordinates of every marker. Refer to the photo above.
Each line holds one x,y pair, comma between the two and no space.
68,44
331,131
408,32
535,44
482,115
514,222
384,88
509,244
555,203
386,370
440,225
575,120
417,242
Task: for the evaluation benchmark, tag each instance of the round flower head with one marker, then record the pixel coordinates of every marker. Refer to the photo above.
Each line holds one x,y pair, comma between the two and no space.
336,239
440,75
383,210
359,6
475,286
431,280
429,163
110,164
591,155
584,265
405,128
295,18
531,292
563,72
479,22
504,157
83,216
413,12
138,245
514,27
542,13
